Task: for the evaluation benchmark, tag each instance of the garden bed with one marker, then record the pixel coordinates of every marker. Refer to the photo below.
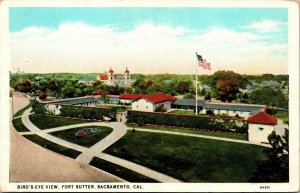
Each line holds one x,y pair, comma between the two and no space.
82,136
18,125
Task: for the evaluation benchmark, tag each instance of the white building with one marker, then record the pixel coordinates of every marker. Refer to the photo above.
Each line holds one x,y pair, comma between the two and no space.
261,126
151,102
53,107
126,99
112,79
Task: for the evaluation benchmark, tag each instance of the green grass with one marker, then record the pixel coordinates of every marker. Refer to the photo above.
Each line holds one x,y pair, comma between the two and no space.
124,173
46,122
18,125
53,146
189,159
282,115
88,140
20,112
188,130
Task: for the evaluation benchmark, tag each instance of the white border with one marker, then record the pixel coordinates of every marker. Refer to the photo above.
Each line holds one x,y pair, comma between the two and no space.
293,58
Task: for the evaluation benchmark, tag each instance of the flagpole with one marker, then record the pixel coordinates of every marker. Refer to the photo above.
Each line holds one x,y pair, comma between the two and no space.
196,84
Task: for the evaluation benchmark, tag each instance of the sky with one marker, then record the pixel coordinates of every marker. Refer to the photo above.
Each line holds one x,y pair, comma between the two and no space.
148,40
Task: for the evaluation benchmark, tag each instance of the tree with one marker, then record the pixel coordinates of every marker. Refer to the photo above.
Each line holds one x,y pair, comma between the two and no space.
276,167
140,83
202,92
104,98
189,96
268,96
42,95
226,84
149,83
207,96
23,85
160,108
183,86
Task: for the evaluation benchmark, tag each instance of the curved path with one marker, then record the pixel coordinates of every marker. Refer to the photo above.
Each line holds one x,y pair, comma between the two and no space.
29,162
119,130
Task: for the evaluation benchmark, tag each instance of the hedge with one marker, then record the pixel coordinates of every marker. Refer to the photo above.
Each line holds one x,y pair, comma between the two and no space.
87,112
188,121
77,111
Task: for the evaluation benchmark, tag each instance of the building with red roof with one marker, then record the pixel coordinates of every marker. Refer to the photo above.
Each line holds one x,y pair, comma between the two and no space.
112,79
128,98
97,92
151,102
260,127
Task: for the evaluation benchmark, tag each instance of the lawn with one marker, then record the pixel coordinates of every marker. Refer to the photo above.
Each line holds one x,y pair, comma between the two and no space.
189,130
124,173
18,125
282,115
88,140
53,146
46,122
189,159
20,112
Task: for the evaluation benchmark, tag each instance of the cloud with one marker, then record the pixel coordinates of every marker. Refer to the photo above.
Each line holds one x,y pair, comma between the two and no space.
266,26
146,48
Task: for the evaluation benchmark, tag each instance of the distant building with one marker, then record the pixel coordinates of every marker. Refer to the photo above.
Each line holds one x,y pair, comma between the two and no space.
228,109
86,81
112,79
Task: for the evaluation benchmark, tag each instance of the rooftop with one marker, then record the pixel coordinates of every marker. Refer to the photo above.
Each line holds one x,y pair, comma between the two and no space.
262,118
73,101
158,98
130,96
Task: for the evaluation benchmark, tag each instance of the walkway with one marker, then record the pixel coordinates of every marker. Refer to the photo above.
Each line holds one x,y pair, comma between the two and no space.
119,130
46,165
197,135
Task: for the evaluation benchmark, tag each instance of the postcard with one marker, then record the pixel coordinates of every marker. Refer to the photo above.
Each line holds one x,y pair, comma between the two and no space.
141,96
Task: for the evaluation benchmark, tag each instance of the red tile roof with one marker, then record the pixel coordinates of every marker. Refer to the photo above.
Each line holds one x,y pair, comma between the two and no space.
111,71
130,96
97,92
262,118
158,98
127,71
103,77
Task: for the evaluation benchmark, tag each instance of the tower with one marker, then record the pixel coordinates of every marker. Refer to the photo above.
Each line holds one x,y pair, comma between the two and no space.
111,77
127,80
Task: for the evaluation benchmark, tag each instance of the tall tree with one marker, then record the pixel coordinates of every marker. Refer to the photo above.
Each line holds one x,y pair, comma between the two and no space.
226,84
276,167
104,98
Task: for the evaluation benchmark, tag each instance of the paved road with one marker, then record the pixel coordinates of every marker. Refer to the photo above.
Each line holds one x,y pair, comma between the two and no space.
119,130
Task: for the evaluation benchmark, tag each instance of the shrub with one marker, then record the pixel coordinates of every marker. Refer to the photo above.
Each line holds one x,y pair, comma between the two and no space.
160,108
42,95
189,121
87,112
38,108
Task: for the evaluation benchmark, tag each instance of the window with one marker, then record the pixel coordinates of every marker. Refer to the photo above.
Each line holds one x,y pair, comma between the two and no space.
260,128
146,107
137,106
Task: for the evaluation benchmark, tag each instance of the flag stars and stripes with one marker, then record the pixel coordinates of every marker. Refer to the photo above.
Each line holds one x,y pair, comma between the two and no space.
203,63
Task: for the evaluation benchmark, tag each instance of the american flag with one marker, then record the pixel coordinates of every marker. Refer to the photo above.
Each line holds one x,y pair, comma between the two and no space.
203,63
